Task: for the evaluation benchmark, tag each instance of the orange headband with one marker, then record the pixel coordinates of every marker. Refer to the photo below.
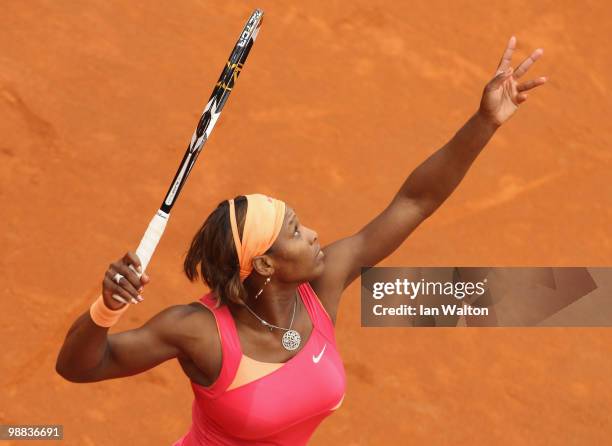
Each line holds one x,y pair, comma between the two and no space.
263,223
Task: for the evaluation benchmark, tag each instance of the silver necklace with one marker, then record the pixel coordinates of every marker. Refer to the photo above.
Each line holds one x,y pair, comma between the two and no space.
291,338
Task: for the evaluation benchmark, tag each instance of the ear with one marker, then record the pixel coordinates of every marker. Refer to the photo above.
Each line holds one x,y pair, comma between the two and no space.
263,265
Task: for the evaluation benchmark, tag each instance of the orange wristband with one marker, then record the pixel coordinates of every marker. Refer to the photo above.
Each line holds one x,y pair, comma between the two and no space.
104,316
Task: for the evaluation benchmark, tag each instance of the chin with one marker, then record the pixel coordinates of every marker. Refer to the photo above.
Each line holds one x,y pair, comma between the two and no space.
318,269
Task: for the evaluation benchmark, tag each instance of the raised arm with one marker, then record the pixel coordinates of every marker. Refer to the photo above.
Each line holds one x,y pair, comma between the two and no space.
429,185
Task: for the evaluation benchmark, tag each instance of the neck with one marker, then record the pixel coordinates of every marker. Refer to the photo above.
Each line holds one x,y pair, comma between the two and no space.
274,305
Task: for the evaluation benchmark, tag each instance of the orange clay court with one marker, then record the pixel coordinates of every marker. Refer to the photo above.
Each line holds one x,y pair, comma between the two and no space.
337,103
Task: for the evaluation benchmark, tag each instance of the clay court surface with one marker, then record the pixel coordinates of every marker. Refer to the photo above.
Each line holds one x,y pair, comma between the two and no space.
338,102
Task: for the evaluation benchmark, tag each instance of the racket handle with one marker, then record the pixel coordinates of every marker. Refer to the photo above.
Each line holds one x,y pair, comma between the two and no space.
151,238
147,246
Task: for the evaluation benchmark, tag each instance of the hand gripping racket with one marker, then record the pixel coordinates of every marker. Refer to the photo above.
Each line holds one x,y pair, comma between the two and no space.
209,117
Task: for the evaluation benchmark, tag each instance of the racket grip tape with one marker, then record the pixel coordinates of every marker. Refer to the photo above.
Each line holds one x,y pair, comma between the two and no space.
151,238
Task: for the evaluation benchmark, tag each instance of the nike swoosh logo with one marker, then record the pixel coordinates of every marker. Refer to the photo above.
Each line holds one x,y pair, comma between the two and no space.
317,358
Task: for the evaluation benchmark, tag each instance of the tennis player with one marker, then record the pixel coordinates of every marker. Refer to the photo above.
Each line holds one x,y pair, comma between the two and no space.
259,349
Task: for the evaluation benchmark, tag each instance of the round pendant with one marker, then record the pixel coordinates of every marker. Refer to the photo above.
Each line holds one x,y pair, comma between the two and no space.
291,340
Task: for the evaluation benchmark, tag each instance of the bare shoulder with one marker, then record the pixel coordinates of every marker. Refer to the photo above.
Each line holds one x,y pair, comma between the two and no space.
197,317
185,325
198,330
175,316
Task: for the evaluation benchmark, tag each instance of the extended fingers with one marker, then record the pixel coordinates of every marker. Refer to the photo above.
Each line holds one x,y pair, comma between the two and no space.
531,84
521,97
524,66
504,63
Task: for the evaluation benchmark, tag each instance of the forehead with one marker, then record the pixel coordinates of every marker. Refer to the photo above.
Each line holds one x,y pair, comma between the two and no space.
287,229
290,216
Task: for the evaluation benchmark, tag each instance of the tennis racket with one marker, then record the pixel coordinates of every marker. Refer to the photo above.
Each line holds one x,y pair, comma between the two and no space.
207,121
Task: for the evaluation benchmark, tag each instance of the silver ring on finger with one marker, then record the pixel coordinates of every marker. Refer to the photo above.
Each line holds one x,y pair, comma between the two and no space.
117,278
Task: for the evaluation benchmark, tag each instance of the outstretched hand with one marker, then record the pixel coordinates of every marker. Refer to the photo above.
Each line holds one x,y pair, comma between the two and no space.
503,94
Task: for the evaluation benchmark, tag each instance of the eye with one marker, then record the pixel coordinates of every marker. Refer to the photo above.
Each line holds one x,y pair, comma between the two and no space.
296,230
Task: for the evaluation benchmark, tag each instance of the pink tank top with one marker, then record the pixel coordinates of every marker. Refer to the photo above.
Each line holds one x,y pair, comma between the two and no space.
258,403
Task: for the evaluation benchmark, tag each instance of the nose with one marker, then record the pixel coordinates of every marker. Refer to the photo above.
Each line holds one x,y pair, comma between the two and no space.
315,236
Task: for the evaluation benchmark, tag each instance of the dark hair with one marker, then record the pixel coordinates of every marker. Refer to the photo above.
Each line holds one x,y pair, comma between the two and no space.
214,251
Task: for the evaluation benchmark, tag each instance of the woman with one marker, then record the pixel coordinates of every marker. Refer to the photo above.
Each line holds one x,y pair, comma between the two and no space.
259,349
